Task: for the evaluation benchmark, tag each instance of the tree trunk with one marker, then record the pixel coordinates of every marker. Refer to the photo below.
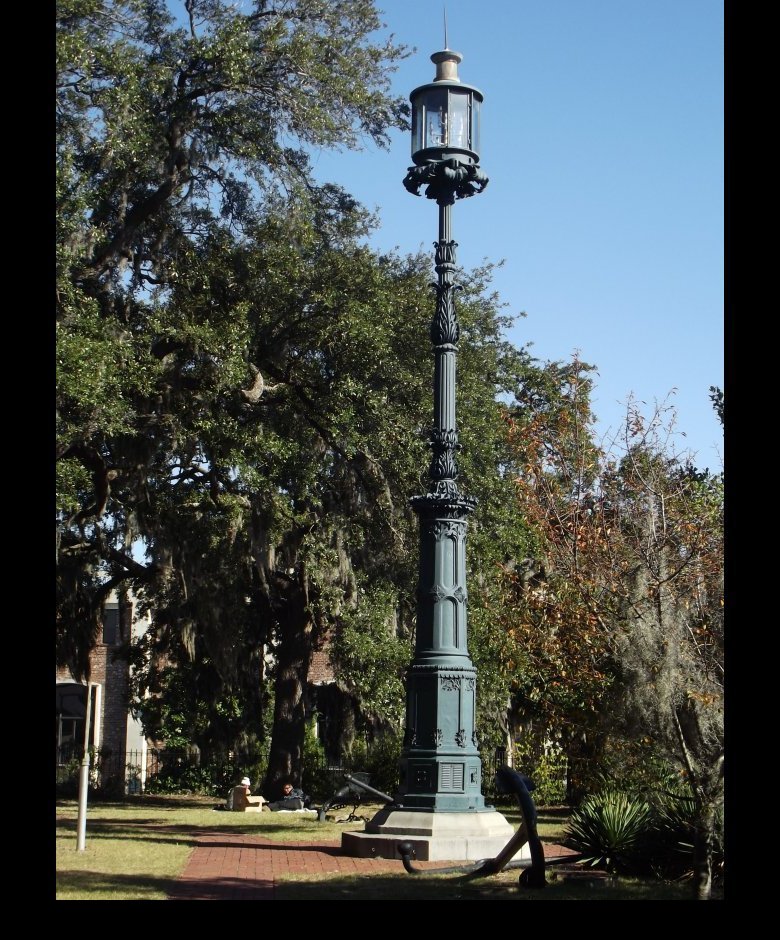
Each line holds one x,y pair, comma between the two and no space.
293,654
703,850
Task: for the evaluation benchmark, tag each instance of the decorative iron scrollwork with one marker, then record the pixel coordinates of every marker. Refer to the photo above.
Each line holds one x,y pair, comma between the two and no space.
446,180
445,253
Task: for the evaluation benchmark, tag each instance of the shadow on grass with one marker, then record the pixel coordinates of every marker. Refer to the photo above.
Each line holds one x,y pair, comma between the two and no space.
145,829
99,829
184,801
96,883
458,888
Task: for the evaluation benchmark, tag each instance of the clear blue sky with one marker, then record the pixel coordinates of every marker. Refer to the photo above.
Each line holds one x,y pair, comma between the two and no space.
602,137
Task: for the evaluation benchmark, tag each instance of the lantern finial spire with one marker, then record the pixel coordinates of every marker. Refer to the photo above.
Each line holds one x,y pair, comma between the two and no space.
446,44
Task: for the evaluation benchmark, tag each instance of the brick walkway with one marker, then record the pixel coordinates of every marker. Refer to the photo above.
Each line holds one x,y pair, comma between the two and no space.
226,866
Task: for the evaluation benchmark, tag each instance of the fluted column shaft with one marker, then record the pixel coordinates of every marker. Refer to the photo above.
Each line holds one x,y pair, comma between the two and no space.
440,764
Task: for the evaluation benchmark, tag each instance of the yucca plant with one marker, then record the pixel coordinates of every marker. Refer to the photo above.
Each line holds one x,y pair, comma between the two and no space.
608,829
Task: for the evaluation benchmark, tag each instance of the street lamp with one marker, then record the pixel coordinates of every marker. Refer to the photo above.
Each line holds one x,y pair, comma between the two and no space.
440,764
439,805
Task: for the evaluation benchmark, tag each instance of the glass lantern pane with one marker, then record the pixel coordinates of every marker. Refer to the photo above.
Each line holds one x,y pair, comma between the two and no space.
436,119
418,124
459,120
476,112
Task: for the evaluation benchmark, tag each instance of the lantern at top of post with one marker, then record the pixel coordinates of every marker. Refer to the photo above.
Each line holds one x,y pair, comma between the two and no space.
446,115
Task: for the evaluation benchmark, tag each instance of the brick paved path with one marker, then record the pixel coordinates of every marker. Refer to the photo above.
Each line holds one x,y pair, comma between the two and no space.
227,866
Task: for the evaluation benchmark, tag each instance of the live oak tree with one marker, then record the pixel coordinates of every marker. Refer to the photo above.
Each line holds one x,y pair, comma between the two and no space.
180,150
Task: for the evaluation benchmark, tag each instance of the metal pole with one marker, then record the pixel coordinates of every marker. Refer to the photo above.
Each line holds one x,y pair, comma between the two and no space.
441,768
84,778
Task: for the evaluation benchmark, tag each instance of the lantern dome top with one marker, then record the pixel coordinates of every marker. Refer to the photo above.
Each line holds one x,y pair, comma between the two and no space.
446,63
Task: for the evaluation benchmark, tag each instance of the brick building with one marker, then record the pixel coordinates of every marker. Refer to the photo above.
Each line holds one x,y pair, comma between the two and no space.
113,731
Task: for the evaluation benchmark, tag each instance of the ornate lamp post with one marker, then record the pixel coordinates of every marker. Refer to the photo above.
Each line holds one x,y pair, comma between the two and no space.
439,806
440,766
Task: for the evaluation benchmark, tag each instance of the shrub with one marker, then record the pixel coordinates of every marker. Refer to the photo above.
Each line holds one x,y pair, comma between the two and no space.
670,846
609,828
383,763
68,779
181,773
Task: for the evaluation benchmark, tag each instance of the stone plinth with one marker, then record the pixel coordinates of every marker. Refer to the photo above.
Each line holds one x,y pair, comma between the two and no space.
434,836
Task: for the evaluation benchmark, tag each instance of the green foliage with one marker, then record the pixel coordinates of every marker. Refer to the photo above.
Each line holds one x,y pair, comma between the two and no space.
676,818
317,781
67,779
383,760
186,704
370,657
652,833
198,263
183,776
608,828
379,757
718,402
620,619
546,766
633,765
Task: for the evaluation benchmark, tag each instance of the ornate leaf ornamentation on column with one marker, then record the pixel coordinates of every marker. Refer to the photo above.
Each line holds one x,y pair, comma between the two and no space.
444,443
444,327
445,254
460,738
450,683
449,528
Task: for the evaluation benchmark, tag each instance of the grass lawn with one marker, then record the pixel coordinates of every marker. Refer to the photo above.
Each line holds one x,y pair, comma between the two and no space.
136,848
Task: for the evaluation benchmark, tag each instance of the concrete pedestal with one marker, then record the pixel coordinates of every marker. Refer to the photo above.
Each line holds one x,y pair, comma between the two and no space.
434,836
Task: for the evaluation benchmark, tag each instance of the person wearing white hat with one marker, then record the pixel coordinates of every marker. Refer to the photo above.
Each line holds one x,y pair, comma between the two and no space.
240,799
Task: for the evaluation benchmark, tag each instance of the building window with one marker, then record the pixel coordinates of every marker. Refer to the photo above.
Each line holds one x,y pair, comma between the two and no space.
111,626
71,702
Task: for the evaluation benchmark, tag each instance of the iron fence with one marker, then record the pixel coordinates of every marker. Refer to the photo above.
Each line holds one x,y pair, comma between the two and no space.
151,770
173,770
